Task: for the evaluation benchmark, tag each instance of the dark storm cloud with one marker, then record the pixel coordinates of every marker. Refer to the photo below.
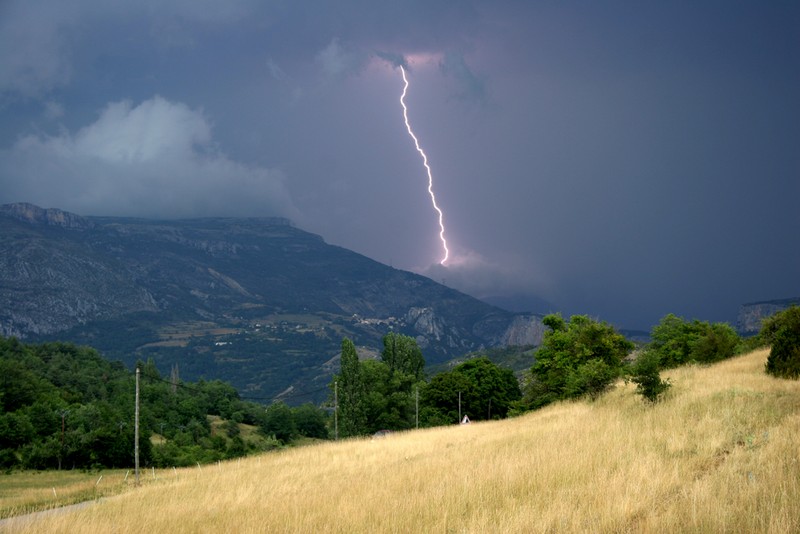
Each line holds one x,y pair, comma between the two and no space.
396,60
624,161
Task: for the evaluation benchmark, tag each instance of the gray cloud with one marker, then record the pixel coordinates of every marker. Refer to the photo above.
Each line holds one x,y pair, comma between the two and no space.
468,83
338,60
53,110
585,155
156,158
394,59
33,53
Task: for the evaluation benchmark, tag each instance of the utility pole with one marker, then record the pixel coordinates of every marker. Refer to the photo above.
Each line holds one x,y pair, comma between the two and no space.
459,407
336,410
136,430
489,416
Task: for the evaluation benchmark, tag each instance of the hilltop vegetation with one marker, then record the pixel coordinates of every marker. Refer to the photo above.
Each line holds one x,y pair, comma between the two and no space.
391,393
782,332
66,406
718,454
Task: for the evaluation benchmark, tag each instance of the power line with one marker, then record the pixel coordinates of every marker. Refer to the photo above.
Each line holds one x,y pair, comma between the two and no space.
289,395
196,389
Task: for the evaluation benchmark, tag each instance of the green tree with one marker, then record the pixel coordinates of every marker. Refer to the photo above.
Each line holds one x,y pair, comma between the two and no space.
403,355
672,339
492,389
279,422
391,383
389,399
351,391
678,342
310,421
236,448
19,386
15,430
486,390
439,398
782,332
645,373
40,383
578,357
718,341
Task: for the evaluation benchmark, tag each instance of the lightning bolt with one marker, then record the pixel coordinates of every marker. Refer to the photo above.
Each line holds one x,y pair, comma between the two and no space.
427,168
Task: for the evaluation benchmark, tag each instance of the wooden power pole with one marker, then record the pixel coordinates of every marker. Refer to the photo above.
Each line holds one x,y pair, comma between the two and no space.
136,430
336,410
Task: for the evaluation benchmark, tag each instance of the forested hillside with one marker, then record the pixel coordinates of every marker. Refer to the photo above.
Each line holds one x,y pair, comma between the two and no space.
64,406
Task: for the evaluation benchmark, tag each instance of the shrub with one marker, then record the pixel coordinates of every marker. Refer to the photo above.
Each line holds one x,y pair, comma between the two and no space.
578,357
678,342
782,332
310,421
645,374
592,378
279,422
717,342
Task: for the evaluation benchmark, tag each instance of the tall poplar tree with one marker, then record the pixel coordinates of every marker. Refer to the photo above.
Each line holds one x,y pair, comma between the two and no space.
402,354
352,412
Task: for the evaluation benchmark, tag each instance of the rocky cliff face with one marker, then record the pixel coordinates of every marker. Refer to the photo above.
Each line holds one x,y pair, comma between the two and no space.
47,287
257,302
751,315
49,217
67,289
525,329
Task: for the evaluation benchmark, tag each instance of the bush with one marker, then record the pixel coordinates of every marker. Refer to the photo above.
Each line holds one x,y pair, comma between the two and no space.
310,421
716,342
782,332
578,357
678,342
645,374
486,391
592,378
279,422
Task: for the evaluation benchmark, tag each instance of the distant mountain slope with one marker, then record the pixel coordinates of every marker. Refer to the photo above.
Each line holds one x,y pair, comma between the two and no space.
256,302
753,313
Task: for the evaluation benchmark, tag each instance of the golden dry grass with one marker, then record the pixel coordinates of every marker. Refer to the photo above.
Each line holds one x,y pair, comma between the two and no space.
31,491
720,454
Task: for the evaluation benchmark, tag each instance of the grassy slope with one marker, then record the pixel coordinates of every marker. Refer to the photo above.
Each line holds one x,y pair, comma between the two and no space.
721,454
32,491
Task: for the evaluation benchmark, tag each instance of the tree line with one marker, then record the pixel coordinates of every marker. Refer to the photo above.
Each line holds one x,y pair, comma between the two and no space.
391,393
584,357
65,406
578,357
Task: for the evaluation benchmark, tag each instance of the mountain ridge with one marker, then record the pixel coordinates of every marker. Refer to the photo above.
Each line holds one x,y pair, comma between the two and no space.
255,301
752,314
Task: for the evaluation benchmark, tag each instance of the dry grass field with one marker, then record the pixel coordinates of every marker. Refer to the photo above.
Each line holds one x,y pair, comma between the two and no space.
31,491
720,454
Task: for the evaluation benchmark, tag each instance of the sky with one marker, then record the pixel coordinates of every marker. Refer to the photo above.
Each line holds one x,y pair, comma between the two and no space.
622,160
